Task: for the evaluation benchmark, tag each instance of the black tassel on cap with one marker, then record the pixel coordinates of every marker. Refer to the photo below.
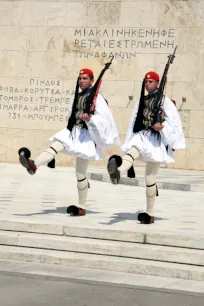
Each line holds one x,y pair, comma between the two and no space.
72,118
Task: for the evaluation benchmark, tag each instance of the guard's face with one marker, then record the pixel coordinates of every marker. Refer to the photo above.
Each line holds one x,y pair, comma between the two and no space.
151,85
85,81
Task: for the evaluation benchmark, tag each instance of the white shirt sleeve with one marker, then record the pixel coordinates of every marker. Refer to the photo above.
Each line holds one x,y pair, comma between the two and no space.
101,125
172,133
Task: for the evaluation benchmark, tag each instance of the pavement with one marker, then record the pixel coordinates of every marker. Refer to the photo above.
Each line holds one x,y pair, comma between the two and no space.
171,179
42,271
23,291
42,199
45,196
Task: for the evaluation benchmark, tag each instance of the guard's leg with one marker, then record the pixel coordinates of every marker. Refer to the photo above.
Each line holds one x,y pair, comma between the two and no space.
117,166
49,154
82,185
151,192
44,158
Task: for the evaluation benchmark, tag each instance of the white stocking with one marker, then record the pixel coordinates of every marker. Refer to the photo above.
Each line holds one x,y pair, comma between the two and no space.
151,189
82,182
49,154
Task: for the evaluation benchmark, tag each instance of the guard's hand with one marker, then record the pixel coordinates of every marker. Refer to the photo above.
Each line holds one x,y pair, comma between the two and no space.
158,127
85,117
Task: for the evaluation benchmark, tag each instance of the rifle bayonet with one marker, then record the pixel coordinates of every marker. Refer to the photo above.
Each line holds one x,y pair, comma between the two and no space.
107,65
172,56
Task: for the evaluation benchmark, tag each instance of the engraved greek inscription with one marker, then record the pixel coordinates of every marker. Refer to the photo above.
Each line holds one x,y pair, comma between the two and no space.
40,100
99,43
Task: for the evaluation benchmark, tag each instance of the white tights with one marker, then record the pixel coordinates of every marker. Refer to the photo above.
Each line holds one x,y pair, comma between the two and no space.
81,168
150,177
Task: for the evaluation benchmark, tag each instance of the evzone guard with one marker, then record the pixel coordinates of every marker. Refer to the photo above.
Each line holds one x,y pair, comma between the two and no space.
90,129
155,131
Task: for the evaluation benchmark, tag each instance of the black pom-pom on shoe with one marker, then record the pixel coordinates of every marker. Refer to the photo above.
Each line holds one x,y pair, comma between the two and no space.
25,152
118,160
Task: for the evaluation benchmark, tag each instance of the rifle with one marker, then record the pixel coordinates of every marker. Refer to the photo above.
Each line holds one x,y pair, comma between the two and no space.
90,103
159,98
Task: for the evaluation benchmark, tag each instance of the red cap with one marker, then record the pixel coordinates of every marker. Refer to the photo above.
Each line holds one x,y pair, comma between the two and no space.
152,75
86,71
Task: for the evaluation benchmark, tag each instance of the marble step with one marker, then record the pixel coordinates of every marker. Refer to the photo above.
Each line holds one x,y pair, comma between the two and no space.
148,236
103,262
103,247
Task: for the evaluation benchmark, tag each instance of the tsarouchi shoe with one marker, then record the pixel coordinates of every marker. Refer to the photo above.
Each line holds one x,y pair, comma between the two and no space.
113,171
24,158
144,218
76,211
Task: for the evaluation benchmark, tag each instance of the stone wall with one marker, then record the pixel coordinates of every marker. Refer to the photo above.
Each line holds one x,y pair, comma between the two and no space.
43,44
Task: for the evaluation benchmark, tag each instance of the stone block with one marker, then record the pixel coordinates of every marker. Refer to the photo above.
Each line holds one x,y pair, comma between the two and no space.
66,14
169,89
6,13
185,119
37,103
129,181
196,122
135,69
5,63
102,13
10,142
200,14
196,273
177,13
8,238
180,159
194,153
175,186
191,242
163,253
122,117
104,234
14,38
53,63
27,64
12,139
46,39
119,264
199,73
49,13
187,40
180,70
54,40
96,177
30,13
106,247
188,95
199,40
97,65
118,93
136,11
29,227
102,262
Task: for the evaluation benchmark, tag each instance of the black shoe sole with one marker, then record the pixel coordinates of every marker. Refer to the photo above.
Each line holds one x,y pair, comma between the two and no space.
25,163
113,171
